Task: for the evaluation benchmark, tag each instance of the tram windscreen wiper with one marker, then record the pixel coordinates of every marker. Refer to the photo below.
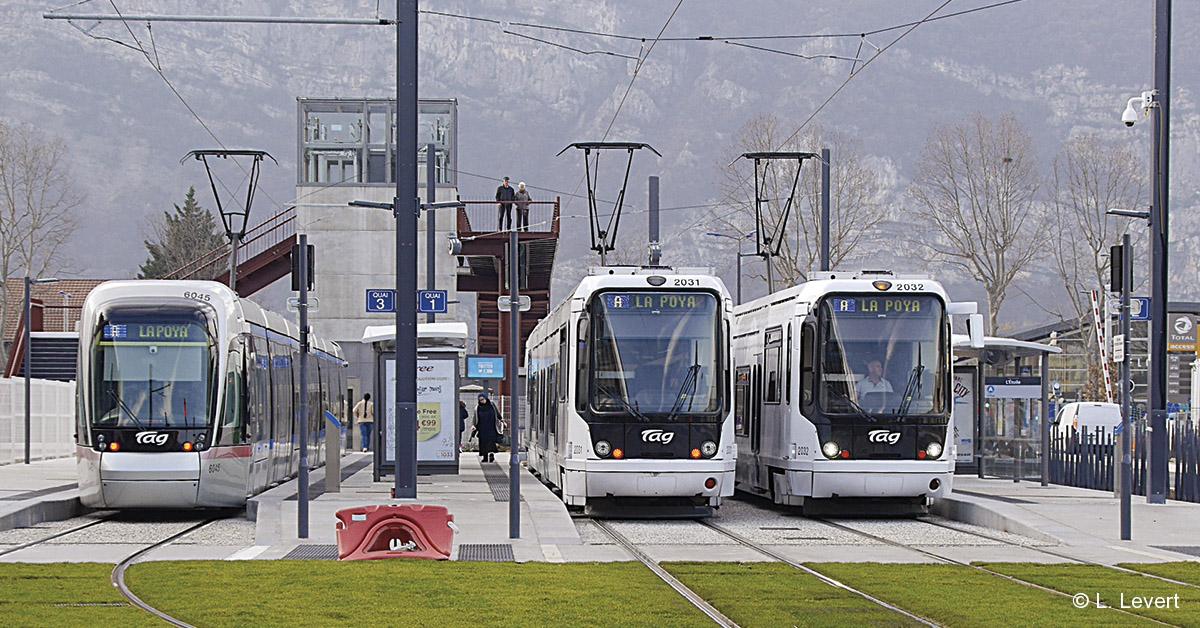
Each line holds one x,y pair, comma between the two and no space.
866,416
121,403
912,387
604,390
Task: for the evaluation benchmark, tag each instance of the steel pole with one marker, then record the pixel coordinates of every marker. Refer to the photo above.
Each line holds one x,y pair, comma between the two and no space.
825,264
655,251
514,347
233,247
302,493
1126,402
28,361
1046,416
405,210
1156,492
738,269
430,223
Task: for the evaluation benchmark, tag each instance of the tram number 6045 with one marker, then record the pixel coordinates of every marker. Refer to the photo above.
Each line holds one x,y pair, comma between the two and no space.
197,296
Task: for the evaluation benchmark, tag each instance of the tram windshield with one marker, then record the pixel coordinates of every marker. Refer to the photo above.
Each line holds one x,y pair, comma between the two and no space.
656,354
882,355
152,370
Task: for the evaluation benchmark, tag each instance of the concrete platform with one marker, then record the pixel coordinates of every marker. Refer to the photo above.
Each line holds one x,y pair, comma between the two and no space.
1081,523
44,490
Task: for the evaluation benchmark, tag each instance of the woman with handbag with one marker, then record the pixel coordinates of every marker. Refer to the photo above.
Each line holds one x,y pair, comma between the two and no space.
487,427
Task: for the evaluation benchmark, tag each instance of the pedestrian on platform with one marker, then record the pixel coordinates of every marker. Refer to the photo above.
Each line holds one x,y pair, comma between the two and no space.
487,427
463,415
505,195
522,198
364,415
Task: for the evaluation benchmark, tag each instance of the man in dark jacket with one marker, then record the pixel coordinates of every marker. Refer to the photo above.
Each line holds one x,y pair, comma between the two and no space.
487,420
505,195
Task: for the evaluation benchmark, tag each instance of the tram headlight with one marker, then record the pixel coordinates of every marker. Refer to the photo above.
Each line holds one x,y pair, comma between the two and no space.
934,449
831,449
708,448
603,448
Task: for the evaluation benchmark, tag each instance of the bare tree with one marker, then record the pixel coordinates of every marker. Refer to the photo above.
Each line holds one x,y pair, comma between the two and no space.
856,196
1089,178
37,203
976,191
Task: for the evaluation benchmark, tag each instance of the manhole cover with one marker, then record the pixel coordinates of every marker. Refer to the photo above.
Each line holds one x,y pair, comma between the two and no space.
313,552
486,552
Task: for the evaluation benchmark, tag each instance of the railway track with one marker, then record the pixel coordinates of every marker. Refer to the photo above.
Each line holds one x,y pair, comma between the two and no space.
952,561
55,535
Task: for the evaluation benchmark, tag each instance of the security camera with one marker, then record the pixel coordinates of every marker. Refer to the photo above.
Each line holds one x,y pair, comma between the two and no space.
1130,115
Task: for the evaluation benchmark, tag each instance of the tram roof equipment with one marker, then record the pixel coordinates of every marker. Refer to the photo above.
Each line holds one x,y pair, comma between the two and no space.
767,245
603,238
225,153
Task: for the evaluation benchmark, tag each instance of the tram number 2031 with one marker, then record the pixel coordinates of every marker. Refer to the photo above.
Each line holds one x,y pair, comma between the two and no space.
685,282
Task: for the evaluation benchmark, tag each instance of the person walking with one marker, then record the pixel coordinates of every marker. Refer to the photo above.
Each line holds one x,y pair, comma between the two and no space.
487,427
505,196
522,199
364,415
463,415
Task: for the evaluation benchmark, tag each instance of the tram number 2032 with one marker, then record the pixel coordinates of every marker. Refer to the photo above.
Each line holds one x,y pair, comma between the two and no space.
906,287
197,296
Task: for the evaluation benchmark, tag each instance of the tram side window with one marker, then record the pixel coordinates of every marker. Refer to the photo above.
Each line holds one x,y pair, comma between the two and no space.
741,402
787,380
258,419
581,370
772,355
807,378
232,431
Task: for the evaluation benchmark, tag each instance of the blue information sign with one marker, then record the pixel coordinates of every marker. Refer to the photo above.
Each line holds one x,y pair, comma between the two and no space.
485,367
1139,309
432,301
381,301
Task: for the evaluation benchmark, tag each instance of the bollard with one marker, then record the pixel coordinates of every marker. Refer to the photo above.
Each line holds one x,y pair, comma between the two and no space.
333,453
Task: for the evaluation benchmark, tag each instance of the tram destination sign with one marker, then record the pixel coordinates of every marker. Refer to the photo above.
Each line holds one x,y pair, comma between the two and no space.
646,301
883,305
155,332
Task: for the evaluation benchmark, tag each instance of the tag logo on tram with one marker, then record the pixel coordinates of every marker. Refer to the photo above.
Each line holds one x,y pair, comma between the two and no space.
883,436
658,436
152,438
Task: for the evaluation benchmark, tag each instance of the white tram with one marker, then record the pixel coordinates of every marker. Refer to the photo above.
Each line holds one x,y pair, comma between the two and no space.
629,389
843,390
188,396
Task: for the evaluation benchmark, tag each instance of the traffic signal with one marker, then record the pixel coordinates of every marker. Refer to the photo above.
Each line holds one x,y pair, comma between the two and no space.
309,272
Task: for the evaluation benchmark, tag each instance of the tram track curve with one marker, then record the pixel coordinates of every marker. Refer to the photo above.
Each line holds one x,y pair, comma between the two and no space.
118,573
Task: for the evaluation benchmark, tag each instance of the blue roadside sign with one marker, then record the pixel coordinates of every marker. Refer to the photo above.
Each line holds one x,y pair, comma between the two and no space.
432,301
1139,308
380,301
485,367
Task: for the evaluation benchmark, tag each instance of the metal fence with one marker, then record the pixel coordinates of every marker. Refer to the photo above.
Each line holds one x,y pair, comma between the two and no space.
1090,458
52,406
483,217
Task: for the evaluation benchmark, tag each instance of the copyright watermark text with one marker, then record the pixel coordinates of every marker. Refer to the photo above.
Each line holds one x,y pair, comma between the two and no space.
1126,601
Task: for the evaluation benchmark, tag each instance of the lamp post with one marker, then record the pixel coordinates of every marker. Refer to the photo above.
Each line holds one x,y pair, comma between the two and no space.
740,255
29,283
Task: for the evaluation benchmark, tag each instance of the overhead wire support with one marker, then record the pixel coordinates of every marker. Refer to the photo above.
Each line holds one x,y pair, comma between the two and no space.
769,245
229,19
604,239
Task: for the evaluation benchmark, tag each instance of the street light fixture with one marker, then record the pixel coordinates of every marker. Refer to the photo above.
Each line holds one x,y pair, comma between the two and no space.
740,255
29,283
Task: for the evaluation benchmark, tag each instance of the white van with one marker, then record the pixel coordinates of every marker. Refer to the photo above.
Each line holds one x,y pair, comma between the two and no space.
1088,416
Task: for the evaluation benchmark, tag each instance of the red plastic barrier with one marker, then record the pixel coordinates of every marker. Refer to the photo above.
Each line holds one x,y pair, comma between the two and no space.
408,531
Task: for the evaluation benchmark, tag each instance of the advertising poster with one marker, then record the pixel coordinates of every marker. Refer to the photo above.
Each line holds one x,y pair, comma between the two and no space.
964,415
437,405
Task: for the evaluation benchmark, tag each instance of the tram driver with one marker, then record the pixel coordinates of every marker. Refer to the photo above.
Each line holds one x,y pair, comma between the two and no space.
873,388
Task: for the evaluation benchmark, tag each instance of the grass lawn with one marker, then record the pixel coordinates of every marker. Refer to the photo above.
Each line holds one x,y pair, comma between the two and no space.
1110,585
774,594
416,593
960,596
1182,571
64,595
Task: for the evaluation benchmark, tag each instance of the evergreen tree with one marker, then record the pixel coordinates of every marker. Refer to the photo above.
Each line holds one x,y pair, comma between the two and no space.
180,238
